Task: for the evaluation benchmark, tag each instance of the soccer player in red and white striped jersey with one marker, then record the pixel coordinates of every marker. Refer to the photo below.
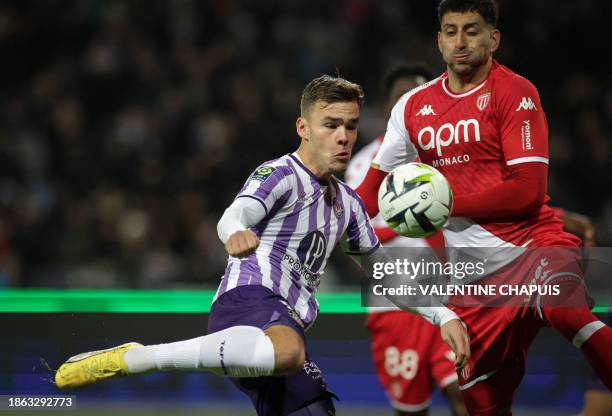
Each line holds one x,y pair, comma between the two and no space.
484,128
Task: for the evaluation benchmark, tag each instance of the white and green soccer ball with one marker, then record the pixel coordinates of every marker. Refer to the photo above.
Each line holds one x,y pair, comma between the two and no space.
415,199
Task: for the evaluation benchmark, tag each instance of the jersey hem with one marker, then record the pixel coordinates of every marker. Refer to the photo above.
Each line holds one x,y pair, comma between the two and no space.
477,380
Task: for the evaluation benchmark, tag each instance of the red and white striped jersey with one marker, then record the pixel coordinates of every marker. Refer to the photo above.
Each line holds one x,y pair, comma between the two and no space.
473,138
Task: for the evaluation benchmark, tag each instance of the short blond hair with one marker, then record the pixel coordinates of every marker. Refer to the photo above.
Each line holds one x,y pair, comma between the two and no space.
330,90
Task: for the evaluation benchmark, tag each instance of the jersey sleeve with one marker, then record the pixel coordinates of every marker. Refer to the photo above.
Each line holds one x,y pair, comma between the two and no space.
267,184
396,148
243,214
523,125
361,236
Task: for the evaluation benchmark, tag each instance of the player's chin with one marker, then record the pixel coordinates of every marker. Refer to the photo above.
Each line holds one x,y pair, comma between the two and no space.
338,166
462,68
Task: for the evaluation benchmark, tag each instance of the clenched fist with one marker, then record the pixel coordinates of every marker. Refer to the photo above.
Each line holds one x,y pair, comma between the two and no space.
242,244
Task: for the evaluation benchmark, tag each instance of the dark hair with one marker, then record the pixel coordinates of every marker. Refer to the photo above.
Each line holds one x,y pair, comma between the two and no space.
403,70
331,90
486,8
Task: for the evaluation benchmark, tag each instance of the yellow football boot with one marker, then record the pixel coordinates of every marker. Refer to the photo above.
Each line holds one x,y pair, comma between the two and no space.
91,367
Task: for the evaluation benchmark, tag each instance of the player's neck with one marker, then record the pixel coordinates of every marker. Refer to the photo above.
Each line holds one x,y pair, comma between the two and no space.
310,165
458,83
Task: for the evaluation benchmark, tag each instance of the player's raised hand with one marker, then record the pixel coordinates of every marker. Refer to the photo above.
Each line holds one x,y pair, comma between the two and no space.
455,335
241,243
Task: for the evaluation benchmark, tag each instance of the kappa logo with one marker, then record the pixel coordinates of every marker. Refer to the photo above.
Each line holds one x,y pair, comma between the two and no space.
526,104
426,111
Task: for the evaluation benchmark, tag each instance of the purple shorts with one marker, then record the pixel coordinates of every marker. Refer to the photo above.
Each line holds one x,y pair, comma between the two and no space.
254,305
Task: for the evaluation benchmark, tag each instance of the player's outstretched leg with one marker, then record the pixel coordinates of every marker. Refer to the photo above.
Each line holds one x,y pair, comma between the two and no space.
240,351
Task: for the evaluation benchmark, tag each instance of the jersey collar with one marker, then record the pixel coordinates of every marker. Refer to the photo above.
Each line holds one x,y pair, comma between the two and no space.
471,90
463,94
297,160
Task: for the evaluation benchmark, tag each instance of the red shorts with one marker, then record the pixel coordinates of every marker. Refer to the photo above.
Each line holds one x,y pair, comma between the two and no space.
500,336
409,355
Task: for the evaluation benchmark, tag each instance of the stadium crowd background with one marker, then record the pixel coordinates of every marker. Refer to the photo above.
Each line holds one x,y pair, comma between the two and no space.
126,127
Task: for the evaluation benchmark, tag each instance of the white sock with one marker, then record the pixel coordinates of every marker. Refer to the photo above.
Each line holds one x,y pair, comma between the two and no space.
239,351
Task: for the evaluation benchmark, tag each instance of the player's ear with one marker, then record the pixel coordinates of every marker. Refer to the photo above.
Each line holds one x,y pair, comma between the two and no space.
495,39
302,128
440,41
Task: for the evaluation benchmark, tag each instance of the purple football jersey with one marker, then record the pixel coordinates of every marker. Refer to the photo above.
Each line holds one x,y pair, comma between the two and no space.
305,219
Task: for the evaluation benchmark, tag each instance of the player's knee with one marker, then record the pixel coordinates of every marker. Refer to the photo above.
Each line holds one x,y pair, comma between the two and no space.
289,350
289,360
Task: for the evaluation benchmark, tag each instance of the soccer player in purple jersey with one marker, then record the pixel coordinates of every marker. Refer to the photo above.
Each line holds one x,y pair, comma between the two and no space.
279,233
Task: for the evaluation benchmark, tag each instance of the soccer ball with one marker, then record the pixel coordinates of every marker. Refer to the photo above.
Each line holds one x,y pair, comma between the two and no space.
415,200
